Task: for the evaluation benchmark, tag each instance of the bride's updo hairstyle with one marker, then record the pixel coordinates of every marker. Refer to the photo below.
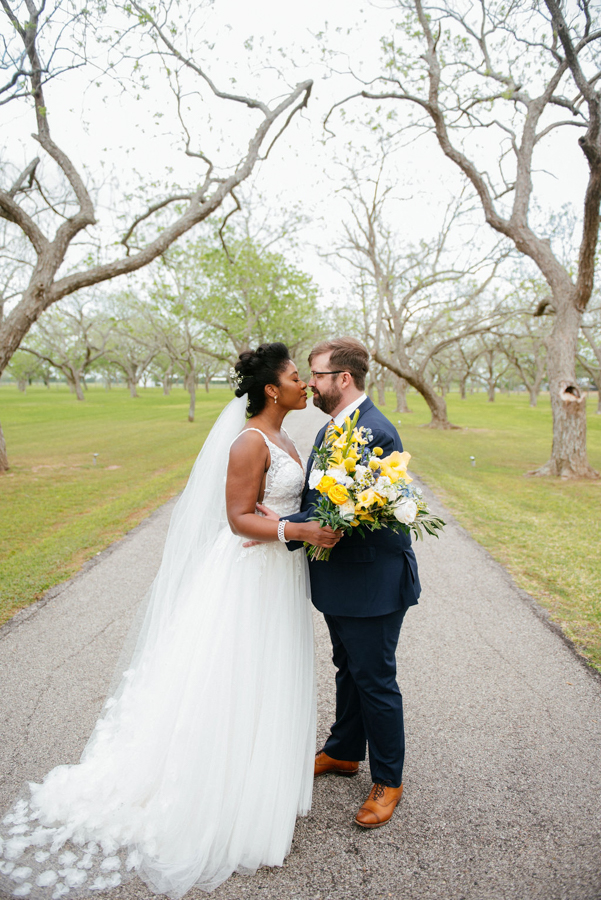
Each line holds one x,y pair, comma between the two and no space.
257,368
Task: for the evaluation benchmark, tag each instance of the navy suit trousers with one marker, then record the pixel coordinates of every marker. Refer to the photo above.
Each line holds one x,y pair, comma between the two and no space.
369,705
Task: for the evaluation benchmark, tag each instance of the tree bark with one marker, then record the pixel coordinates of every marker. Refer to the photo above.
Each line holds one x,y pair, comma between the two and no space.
132,385
400,386
436,404
22,384
192,391
75,385
533,391
462,387
568,401
4,467
381,393
491,391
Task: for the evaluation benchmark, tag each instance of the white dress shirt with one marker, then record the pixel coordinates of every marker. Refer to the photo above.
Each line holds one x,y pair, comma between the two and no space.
349,410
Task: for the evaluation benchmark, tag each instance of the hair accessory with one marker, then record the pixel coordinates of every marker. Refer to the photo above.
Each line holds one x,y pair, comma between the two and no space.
281,526
236,376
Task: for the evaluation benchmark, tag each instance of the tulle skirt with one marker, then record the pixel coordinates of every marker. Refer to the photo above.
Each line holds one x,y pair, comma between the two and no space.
200,765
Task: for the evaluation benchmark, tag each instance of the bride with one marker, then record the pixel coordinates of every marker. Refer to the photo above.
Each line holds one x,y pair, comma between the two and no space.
203,758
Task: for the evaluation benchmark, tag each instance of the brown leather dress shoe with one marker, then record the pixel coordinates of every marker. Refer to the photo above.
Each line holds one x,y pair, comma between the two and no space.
325,764
379,806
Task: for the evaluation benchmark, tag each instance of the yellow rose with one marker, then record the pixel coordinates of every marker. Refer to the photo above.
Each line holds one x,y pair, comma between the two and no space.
338,494
325,484
377,451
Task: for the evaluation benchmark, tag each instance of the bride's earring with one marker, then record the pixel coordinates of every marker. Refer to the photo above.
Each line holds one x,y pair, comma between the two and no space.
275,399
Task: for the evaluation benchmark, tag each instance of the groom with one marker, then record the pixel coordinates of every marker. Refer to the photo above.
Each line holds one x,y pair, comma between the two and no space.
363,590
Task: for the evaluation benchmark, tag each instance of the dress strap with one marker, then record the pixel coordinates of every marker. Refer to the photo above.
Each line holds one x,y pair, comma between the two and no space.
268,443
263,435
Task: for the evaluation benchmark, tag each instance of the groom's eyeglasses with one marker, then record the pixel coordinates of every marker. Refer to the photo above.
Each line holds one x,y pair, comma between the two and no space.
337,372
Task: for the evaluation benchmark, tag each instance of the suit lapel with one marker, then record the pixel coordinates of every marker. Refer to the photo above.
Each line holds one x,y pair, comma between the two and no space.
365,407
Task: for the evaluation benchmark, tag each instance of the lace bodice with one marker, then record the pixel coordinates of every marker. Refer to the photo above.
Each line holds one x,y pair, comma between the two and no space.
285,479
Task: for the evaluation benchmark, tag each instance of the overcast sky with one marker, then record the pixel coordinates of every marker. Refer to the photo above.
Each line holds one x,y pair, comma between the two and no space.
112,132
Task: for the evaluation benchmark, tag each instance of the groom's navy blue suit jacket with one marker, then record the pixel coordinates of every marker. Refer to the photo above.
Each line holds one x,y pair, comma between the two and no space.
369,576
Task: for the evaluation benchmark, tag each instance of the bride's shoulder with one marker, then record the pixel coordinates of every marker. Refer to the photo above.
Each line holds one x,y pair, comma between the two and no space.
250,444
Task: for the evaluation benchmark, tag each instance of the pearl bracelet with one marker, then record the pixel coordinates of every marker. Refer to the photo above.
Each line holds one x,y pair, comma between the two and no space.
281,526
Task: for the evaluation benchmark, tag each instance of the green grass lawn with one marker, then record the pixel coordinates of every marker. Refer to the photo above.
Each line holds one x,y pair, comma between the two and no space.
57,507
546,532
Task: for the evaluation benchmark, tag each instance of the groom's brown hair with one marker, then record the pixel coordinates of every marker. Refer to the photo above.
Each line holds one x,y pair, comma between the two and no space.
346,354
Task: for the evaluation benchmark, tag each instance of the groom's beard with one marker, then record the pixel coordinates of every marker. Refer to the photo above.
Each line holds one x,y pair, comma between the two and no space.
327,402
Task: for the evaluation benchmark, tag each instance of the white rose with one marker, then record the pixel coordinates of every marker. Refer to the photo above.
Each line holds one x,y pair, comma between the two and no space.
387,491
339,474
405,511
315,477
347,510
382,482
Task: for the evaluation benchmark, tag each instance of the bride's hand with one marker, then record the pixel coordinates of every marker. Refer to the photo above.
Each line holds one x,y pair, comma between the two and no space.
321,537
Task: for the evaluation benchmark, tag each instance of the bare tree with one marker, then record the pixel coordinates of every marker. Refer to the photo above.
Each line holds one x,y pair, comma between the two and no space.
71,339
133,343
25,368
526,350
467,352
425,298
492,363
513,74
52,229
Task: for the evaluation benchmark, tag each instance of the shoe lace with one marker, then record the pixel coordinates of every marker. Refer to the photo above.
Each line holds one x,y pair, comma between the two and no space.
378,791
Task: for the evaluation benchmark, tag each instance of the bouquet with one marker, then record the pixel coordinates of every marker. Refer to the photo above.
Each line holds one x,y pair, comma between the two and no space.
363,490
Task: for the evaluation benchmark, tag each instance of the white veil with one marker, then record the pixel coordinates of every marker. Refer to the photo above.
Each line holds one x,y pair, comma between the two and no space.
197,519
28,847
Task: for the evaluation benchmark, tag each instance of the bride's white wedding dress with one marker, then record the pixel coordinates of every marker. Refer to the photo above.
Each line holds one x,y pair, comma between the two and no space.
202,760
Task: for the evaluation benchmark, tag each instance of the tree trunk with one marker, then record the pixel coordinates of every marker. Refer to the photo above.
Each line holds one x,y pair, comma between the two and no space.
192,389
491,391
533,391
76,386
462,387
381,393
568,402
400,386
131,383
436,404
207,383
3,455
22,384
167,382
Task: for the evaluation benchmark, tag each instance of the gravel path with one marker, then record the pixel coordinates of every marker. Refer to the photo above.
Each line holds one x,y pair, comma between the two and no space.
503,772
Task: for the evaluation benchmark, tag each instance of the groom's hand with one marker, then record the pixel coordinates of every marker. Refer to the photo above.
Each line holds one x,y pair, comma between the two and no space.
268,514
